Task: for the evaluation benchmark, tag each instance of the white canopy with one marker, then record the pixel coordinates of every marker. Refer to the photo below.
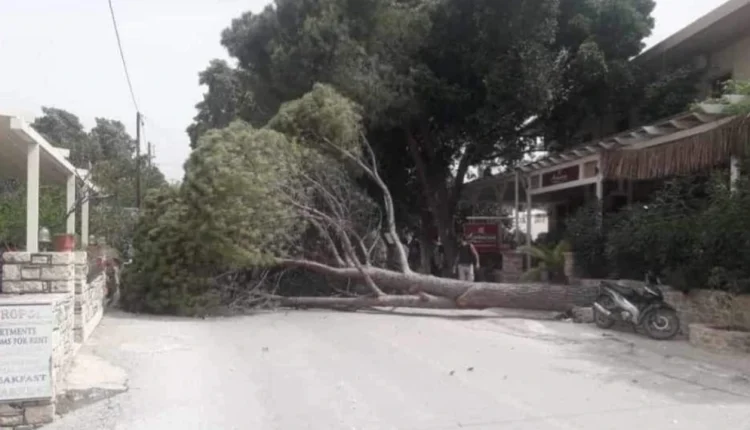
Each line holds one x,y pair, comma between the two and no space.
24,153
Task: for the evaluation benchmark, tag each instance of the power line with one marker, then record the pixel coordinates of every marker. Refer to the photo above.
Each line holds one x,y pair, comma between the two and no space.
122,56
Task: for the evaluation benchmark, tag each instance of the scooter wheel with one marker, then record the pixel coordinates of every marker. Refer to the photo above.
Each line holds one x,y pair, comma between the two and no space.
661,324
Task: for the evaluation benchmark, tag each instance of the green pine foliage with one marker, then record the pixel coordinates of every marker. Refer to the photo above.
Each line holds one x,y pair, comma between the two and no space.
247,199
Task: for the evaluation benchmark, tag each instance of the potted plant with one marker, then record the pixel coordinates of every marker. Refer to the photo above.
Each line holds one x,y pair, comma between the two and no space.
64,242
736,92
712,106
550,262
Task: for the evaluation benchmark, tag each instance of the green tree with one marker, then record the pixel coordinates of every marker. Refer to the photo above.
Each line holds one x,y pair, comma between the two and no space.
596,41
402,62
113,139
444,85
63,129
261,197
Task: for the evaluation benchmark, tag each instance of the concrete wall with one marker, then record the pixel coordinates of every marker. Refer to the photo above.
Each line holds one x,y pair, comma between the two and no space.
733,58
60,279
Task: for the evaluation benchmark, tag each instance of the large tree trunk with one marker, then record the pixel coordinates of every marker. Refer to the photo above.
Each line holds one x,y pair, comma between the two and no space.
425,243
411,301
440,196
462,294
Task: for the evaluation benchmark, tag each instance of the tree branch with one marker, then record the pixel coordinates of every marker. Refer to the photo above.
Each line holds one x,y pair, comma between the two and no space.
331,244
458,181
387,198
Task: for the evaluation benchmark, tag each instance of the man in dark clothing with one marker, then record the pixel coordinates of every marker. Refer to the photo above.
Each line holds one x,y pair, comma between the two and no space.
467,260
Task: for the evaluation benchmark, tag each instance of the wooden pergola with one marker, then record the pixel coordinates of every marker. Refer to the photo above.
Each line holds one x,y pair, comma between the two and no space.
683,144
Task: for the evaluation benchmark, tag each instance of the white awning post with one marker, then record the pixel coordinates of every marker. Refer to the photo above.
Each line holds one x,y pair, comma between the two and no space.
70,199
734,172
516,209
32,198
528,220
85,218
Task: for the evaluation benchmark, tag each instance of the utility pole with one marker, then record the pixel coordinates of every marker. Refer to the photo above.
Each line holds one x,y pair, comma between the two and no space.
138,160
150,154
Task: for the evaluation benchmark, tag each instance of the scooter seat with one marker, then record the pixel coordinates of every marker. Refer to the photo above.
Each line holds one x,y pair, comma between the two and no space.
619,287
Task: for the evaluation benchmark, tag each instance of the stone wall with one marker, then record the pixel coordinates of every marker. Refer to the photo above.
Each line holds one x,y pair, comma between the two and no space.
25,415
710,307
698,306
512,267
44,278
64,339
29,414
27,273
90,285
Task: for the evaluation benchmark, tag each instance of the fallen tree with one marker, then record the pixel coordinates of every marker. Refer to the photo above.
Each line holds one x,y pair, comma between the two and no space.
291,195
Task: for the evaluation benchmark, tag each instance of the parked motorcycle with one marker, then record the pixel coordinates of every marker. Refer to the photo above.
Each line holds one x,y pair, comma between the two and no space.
643,307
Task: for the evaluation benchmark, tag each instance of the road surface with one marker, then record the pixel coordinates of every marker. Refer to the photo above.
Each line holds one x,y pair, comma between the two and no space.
451,370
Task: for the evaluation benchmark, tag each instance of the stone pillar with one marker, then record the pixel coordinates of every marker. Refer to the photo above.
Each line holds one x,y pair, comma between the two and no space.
89,296
569,268
512,266
38,273
81,273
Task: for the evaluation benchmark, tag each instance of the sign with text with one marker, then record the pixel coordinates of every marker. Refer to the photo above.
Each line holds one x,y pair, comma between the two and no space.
26,350
561,176
485,237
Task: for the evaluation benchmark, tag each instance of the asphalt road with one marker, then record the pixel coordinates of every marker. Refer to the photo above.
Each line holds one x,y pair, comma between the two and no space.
333,370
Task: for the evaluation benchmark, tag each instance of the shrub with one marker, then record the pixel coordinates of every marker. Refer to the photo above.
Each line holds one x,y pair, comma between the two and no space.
170,270
662,236
695,232
587,241
550,262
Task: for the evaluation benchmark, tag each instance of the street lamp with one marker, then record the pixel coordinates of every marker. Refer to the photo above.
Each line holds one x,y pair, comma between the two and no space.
45,239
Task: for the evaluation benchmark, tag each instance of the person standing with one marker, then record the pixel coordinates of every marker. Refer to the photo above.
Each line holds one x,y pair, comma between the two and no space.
467,260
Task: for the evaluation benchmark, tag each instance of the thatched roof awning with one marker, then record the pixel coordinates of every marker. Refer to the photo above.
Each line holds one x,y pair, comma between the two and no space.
699,149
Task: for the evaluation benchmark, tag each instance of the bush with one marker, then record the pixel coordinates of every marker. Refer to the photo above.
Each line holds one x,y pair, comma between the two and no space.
170,271
725,238
584,233
694,232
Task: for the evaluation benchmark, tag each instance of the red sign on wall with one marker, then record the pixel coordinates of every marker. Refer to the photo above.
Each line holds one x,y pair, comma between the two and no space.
561,176
485,237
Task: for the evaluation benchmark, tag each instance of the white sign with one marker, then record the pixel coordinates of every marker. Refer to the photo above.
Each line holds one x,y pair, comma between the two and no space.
26,350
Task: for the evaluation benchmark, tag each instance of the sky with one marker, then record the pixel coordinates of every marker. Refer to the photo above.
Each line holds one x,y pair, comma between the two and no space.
63,53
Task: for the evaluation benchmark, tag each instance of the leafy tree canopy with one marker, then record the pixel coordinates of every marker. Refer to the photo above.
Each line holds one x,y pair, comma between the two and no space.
248,198
443,85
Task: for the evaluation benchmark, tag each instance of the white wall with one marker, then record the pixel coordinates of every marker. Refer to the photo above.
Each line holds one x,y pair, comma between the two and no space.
539,222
